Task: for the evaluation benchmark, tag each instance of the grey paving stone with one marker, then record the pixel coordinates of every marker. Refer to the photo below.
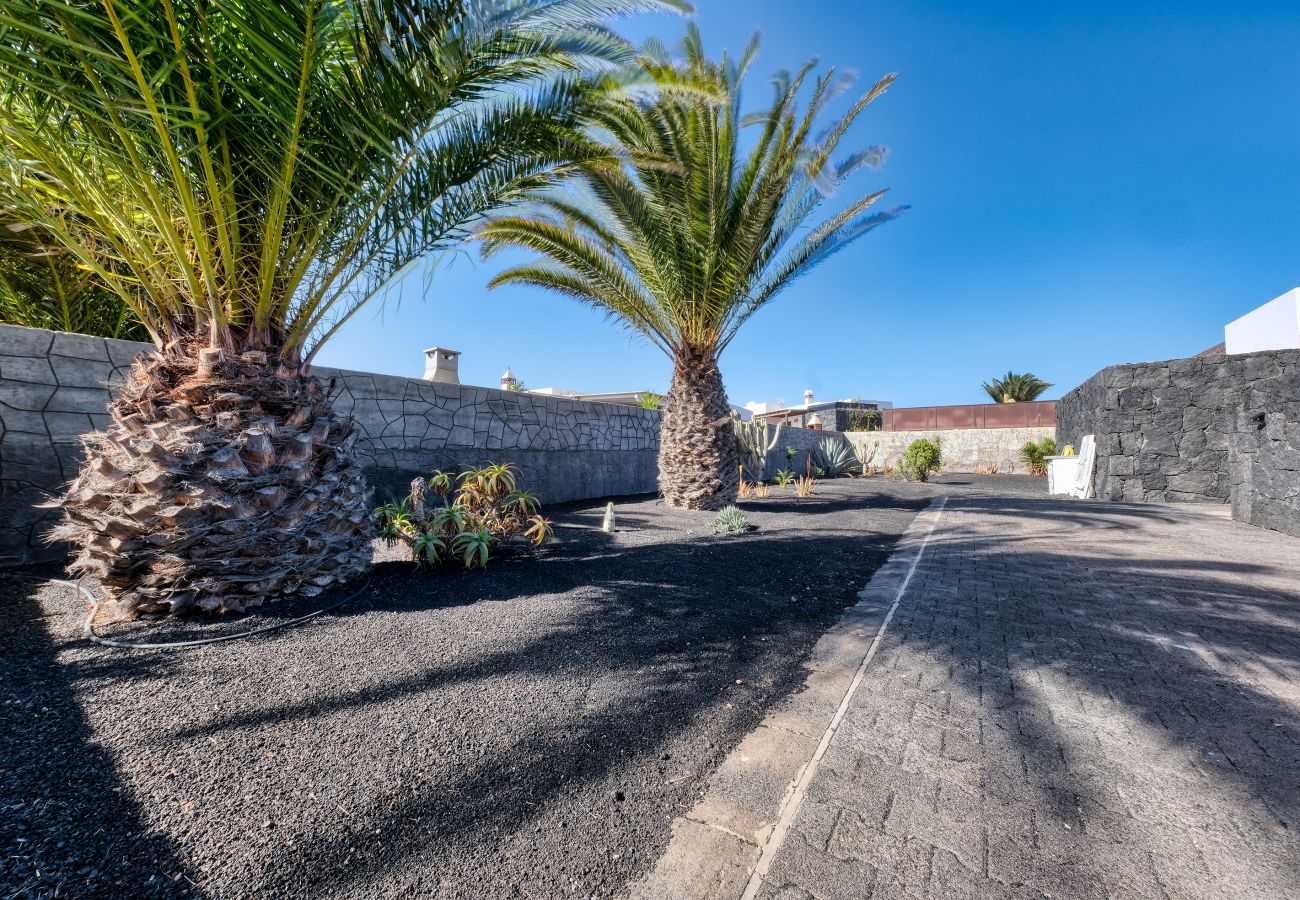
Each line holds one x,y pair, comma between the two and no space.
744,795
1073,700
702,863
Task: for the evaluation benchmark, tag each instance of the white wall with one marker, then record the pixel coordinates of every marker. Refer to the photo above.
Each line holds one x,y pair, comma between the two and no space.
1274,326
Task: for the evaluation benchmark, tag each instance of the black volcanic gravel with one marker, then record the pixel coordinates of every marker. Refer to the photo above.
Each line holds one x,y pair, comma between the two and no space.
530,731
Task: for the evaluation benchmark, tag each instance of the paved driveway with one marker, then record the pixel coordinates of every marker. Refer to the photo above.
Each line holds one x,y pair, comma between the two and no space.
1073,701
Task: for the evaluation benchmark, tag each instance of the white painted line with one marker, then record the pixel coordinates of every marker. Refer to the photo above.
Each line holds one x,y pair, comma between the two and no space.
790,808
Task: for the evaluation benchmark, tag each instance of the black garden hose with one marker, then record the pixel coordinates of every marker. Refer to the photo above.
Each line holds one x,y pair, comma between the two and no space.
89,628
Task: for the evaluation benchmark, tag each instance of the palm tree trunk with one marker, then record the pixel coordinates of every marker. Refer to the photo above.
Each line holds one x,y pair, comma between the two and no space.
698,462
221,483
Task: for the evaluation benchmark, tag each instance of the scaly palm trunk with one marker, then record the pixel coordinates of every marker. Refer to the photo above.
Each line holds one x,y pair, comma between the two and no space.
221,483
698,462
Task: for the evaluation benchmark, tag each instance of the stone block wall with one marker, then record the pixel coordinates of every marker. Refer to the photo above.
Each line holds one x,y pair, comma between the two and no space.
964,449
1163,429
54,387
1264,455
803,440
565,449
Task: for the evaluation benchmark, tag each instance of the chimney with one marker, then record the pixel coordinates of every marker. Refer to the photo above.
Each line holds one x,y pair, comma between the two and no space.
508,380
807,397
442,365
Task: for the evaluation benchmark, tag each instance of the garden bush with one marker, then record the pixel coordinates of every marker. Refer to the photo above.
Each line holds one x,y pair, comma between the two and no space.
921,459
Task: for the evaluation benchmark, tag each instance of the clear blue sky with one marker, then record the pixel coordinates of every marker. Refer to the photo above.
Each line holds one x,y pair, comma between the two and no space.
1090,184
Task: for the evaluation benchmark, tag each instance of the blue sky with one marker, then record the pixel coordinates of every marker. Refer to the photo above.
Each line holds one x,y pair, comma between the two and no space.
1090,184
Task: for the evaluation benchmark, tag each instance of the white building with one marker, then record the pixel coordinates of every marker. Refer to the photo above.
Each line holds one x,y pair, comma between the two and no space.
1274,326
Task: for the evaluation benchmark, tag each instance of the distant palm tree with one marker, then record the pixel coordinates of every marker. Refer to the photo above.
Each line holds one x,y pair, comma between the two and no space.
1013,388
693,235
245,174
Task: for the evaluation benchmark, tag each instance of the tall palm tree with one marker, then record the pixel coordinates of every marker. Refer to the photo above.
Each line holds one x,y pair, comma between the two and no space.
245,175
694,234
1015,388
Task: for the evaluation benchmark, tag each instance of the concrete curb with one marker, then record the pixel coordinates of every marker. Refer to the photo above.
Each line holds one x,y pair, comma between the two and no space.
721,847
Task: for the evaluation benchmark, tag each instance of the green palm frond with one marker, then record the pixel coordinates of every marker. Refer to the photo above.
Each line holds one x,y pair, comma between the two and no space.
691,235
1015,388
41,286
252,171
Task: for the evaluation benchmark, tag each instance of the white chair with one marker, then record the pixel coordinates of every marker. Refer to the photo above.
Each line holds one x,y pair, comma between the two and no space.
1085,475
1073,475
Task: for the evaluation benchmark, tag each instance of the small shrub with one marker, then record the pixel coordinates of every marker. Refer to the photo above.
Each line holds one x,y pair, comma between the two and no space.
791,452
480,508
784,478
986,468
833,458
762,491
745,490
805,486
1035,454
730,521
921,459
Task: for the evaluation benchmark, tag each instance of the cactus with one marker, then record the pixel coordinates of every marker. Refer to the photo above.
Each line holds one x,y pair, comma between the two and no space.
754,440
865,454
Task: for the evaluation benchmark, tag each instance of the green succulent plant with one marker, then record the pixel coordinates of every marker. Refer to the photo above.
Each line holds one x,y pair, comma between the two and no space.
730,521
833,458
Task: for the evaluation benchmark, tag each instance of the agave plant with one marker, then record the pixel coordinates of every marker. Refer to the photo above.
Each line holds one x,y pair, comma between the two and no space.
1015,388
730,521
700,229
245,175
833,458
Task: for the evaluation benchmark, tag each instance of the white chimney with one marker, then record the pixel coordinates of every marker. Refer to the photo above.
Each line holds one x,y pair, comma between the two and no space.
807,397
508,380
442,365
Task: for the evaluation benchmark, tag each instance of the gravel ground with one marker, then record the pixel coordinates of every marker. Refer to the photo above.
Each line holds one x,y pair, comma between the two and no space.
530,731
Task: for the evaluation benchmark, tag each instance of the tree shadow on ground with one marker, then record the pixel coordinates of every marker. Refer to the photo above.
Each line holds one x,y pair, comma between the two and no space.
1198,655
67,828
611,655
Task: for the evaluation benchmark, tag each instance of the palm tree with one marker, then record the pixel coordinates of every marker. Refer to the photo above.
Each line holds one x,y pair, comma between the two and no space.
1015,388
41,286
245,175
692,235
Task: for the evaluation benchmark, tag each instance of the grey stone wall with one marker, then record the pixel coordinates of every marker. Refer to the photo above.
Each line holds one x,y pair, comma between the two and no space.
54,387
964,449
1264,455
565,449
1164,429
803,440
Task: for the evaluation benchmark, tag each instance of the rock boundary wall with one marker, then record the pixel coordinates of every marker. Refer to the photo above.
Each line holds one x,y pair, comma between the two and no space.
964,449
1216,429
